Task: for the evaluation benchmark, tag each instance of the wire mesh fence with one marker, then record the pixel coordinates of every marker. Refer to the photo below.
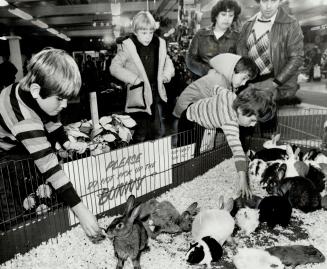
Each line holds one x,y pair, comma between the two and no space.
31,213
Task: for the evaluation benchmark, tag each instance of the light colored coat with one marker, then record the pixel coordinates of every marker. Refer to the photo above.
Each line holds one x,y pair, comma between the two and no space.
127,67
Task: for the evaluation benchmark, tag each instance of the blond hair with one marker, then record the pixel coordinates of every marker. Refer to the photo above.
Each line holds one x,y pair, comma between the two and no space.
55,72
143,20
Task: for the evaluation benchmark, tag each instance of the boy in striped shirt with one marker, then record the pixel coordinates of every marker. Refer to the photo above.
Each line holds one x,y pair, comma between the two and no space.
229,111
29,118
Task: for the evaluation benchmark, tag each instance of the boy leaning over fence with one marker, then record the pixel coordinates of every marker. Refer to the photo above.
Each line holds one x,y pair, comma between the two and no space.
228,111
29,118
228,71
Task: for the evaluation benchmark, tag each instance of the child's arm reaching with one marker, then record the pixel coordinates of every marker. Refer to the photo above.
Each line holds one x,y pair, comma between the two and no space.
244,185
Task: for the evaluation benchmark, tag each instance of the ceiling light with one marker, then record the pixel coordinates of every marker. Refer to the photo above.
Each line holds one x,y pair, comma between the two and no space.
40,24
20,13
52,31
61,35
3,3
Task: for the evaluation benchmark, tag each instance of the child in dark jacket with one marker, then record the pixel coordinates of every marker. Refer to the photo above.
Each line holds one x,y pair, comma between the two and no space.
29,117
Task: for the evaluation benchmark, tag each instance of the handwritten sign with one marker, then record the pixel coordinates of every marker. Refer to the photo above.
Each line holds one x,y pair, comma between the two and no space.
106,180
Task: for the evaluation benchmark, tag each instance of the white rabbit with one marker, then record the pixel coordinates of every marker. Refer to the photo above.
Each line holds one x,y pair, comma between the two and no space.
293,157
247,219
216,223
251,258
269,144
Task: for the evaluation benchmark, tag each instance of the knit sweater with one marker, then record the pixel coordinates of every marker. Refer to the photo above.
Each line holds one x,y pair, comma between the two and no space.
23,121
217,112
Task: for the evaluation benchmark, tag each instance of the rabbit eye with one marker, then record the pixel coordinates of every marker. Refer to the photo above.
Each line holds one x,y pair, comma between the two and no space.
119,225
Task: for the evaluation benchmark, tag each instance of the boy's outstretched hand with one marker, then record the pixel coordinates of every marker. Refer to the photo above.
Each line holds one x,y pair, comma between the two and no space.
87,220
244,185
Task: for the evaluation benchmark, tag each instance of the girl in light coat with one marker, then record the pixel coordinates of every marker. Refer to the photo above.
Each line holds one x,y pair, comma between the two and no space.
143,64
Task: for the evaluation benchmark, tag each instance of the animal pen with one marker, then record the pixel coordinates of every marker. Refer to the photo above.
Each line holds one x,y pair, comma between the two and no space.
30,212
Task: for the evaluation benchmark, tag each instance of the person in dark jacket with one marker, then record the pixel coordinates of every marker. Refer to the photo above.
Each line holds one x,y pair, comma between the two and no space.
8,72
274,40
219,38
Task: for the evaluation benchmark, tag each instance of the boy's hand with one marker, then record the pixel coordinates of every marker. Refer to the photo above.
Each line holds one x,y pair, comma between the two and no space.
87,221
79,147
244,185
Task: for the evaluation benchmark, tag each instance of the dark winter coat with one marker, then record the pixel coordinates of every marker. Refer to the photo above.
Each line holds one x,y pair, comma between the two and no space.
286,50
205,46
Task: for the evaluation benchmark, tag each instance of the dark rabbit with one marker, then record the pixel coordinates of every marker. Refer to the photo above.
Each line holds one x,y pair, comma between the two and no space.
166,218
242,202
297,254
317,177
272,175
301,193
275,210
271,154
129,235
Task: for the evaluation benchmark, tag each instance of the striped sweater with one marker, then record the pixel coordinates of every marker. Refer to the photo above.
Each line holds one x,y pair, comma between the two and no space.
217,112
23,121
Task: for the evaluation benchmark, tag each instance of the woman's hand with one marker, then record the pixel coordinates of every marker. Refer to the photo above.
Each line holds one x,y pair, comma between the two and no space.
244,185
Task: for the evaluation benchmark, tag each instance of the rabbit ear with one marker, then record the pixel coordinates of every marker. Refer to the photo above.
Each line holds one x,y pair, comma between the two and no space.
134,213
192,209
221,202
129,204
229,205
282,171
289,151
250,153
275,138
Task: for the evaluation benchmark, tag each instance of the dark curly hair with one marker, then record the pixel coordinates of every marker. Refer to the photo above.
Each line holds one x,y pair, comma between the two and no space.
254,101
224,5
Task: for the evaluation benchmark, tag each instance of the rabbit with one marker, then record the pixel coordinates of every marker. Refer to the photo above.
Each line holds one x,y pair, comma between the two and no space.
272,175
242,202
275,210
293,156
129,235
301,193
205,251
247,219
270,154
317,177
316,156
256,170
216,223
251,258
273,142
166,218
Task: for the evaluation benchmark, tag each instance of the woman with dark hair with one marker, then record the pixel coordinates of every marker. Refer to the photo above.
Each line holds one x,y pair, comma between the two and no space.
219,38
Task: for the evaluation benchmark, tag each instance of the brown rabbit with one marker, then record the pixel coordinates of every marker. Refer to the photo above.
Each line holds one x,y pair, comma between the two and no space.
129,235
166,218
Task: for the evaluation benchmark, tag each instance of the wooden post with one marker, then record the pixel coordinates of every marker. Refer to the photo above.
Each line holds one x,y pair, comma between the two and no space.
94,113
